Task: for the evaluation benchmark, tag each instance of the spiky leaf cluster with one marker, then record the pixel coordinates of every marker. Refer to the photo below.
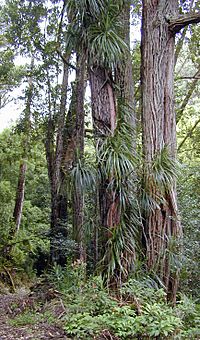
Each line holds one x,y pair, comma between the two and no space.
158,180
94,26
117,168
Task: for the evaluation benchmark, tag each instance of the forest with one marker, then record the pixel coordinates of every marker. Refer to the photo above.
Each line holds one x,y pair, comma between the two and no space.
100,173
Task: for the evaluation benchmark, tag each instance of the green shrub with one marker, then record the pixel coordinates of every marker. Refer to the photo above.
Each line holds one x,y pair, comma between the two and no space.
95,311
140,311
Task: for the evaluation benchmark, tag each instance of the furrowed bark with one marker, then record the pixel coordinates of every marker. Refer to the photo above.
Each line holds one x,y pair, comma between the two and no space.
104,122
103,102
177,23
159,131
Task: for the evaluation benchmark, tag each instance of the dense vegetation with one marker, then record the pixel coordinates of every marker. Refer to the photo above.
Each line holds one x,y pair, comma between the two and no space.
95,196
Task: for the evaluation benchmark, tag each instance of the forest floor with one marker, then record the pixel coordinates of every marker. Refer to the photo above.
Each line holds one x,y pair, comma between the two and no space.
24,316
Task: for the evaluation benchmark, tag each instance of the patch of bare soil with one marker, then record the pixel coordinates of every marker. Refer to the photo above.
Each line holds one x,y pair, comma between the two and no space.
13,306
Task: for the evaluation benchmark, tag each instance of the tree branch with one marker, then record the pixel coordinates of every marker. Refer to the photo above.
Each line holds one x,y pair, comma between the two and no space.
188,134
191,89
65,60
176,24
61,22
182,38
188,78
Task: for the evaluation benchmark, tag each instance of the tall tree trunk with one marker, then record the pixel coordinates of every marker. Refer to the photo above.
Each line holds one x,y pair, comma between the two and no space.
125,95
58,196
103,103
159,131
17,215
73,150
104,121
78,196
160,23
124,71
19,200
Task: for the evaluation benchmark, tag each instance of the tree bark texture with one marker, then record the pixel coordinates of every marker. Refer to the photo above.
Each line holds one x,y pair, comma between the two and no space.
159,131
104,121
124,71
20,196
179,22
78,195
73,149
103,102
58,194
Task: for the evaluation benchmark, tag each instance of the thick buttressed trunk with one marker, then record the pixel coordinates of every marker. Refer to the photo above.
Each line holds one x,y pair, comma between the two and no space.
159,132
104,121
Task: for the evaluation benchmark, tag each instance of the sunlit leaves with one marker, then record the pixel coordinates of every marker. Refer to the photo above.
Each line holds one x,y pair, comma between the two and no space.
158,180
22,21
95,27
80,9
115,156
83,176
117,164
106,47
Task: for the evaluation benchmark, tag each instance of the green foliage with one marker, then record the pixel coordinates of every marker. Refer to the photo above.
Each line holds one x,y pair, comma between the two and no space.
189,312
33,234
28,318
158,179
31,318
10,75
142,312
70,278
96,28
105,45
187,107
189,207
33,28
22,21
83,176
116,167
80,8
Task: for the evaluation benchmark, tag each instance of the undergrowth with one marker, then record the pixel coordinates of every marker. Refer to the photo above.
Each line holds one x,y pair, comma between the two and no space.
138,311
31,318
